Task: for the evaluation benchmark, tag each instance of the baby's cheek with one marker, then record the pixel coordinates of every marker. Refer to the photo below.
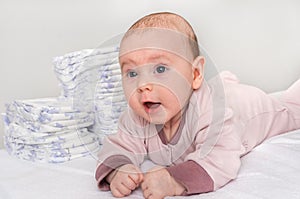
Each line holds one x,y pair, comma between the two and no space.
133,102
128,93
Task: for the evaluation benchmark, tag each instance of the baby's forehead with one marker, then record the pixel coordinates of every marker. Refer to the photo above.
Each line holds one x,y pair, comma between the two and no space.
163,40
147,55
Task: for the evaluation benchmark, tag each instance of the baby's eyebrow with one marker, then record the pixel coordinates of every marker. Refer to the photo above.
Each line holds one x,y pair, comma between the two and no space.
126,62
158,58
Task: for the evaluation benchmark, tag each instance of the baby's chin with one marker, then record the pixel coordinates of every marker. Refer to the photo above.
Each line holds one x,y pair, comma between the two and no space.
154,119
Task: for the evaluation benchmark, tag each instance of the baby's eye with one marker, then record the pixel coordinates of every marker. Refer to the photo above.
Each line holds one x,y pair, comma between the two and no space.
131,74
160,69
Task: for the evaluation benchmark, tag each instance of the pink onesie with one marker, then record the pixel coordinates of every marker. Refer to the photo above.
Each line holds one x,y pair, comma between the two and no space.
223,121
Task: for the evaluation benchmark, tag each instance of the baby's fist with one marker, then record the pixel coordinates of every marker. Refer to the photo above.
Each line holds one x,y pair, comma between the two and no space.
158,183
124,180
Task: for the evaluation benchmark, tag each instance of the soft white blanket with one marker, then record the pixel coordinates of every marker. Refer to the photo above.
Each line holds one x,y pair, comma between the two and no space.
271,170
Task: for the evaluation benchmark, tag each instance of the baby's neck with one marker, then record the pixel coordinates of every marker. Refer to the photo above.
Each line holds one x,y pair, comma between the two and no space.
170,128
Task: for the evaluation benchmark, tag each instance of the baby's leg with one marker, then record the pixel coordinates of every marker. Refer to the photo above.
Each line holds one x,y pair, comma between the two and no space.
291,99
292,94
284,114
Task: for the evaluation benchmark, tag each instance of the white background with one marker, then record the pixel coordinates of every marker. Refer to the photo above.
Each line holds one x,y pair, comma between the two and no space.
256,39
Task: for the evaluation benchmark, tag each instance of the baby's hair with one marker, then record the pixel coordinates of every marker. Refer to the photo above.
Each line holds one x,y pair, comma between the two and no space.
171,21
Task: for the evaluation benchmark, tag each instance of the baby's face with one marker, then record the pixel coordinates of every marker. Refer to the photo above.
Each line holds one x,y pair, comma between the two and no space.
157,84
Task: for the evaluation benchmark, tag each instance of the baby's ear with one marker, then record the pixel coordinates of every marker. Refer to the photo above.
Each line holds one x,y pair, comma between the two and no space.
198,68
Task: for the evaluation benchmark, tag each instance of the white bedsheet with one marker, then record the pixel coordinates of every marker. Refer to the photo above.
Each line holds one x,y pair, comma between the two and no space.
271,170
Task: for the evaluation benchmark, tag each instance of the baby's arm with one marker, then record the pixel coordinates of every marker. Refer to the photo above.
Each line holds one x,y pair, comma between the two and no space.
117,150
124,180
192,176
183,179
217,156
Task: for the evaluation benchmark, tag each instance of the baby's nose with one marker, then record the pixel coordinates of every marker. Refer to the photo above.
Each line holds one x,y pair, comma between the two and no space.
145,87
144,82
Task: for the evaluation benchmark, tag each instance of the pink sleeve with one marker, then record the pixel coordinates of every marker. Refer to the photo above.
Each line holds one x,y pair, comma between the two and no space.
192,176
108,166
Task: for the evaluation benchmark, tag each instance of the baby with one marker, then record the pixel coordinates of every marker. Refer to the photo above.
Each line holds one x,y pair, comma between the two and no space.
196,131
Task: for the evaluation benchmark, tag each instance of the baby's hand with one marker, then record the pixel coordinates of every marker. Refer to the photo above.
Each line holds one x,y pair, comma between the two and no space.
158,183
124,180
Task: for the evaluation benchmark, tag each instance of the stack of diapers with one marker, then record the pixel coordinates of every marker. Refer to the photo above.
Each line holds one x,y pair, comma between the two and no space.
48,130
91,78
76,71
72,125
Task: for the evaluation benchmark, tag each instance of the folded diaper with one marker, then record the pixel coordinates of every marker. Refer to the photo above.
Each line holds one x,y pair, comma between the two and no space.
50,154
83,68
53,126
62,62
45,105
45,117
86,63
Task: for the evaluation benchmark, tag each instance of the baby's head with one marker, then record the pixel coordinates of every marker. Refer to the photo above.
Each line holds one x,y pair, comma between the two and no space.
165,25
161,66
170,21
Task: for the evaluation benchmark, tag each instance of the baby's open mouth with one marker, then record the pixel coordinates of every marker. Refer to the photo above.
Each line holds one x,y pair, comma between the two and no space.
151,105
